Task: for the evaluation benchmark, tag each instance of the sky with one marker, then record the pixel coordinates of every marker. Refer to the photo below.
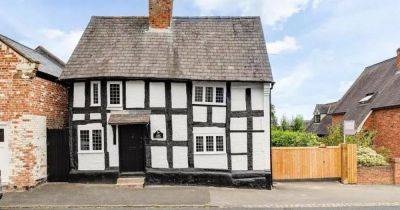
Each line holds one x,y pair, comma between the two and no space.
317,48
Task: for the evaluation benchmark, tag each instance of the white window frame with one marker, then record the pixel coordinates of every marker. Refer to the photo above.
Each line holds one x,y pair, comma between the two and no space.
92,93
90,128
205,152
120,95
213,85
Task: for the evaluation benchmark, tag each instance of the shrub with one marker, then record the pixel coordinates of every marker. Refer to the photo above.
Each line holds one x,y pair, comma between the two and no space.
335,137
369,157
282,138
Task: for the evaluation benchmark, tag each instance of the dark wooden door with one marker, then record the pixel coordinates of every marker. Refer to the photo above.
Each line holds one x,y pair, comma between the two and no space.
57,155
131,147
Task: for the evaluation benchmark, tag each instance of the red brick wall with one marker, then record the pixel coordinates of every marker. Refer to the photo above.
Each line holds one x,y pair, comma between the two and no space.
337,119
375,175
160,13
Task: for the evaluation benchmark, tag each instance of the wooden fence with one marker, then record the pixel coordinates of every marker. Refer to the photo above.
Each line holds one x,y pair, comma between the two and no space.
302,163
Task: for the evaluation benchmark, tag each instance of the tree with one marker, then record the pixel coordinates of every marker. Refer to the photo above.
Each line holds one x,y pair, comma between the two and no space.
274,120
297,123
285,124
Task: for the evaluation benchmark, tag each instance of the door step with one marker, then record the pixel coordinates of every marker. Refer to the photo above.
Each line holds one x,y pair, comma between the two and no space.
136,182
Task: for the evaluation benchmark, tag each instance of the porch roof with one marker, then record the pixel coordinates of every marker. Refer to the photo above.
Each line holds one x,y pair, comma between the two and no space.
130,117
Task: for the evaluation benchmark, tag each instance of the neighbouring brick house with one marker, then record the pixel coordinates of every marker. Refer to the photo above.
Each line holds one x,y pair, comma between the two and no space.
322,119
373,102
31,101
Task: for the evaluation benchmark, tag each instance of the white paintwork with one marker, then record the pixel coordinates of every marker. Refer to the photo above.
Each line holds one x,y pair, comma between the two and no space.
211,161
199,114
159,157
260,152
157,94
179,127
114,106
38,124
209,130
91,161
113,150
214,85
239,162
180,157
238,98
95,116
266,140
218,114
79,94
257,97
157,122
5,157
258,123
135,94
78,117
239,124
92,93
239,142
178,94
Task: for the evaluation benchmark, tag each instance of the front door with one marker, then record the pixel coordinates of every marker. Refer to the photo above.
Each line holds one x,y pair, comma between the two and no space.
131,147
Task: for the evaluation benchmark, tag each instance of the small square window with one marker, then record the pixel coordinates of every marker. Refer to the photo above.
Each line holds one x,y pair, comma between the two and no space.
198,97
219,95
209,143
115,97
317,118
96,140
220,143
199,144
209,94
2,137
84,137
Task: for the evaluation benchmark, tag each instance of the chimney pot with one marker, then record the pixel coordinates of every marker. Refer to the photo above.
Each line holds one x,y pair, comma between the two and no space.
398,59
160,13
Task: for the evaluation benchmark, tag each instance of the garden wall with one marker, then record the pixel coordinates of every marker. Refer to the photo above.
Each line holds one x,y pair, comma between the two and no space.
380,174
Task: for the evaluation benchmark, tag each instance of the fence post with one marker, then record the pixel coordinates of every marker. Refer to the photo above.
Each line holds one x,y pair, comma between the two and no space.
349,163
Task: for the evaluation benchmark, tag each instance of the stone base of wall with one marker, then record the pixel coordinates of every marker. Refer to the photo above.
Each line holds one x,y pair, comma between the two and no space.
385,175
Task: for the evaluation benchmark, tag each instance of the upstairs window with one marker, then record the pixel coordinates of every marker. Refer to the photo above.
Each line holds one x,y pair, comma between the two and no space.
209,144
95,93
114,94
208,94
198,94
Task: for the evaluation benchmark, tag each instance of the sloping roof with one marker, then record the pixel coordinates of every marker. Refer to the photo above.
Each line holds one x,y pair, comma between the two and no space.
194,48
48,64
325,108
322,128
381,80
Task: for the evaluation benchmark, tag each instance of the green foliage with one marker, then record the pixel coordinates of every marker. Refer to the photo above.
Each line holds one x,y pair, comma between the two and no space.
368,157
285,138
297,123
274,119
285,124
335,137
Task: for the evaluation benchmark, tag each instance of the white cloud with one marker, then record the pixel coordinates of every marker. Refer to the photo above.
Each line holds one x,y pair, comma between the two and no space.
271,11
287,44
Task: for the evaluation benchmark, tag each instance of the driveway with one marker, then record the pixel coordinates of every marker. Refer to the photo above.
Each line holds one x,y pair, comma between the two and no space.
285,195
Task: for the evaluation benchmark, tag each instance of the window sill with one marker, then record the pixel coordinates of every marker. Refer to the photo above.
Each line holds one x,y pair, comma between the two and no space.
210,153
91,152
114,107
208,103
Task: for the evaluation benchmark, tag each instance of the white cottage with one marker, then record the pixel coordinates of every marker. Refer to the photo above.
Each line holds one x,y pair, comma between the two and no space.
182,100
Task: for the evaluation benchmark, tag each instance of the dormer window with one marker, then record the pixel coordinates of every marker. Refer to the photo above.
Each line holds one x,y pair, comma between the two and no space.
317,118
367,98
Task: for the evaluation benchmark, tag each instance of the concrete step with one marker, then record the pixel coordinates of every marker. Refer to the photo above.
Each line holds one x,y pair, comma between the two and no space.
136,182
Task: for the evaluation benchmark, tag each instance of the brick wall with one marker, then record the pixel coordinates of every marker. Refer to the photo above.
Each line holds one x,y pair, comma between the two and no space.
380,174
337,119
160,13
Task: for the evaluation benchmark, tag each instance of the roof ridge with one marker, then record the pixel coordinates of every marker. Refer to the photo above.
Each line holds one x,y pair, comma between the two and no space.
42,50
180,17
384,61
6,39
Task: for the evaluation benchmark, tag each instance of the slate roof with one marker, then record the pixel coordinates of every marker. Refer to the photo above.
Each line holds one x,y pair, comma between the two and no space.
49,63
382,80
194,48
322,128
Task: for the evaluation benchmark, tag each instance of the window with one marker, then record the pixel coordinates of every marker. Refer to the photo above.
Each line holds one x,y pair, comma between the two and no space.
84,136
90,138
219,95
114,94
209,94
2,137
317,118
95,93
96,136
198,94
199,144
209,144
366,99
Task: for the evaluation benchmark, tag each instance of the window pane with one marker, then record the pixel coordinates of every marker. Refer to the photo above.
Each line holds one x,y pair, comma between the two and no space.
95,93
199,144
219,95
198,97
209,143
84,135
220,143
96,140
1,135
317,118
209,94
115,94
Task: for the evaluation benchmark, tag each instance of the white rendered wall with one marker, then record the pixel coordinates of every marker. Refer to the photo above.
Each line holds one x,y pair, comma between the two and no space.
260,152
239,124
180,157
113,150
135,94
79,94
218,114
178,94
258,123
267,126
157,94
78,117
159,157
179,127
238,97
95,116
5,153
157,122
211,161
199,114
91,161
239,142
239,162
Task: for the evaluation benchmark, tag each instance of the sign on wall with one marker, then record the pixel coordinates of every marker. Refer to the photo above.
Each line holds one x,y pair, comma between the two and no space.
158,135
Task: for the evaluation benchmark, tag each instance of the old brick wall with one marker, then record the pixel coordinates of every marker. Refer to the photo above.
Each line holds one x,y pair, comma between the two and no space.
375,175
337,119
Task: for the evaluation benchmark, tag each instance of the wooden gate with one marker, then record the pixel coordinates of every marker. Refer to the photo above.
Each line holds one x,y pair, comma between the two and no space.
57,155
302,163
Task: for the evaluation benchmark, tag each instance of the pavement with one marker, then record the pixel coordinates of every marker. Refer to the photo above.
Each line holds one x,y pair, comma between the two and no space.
290,195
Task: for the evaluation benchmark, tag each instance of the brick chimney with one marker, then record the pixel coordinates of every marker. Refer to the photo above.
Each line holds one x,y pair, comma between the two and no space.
398,59
160,13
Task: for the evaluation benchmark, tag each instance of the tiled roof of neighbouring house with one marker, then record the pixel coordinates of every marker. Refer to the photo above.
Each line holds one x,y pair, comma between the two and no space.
322,127
49,63
379,84
194,48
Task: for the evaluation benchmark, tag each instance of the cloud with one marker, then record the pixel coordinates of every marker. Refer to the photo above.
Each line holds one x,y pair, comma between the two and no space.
271,11
287,44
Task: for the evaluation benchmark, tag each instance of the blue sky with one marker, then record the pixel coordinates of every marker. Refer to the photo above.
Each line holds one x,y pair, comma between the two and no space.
317,47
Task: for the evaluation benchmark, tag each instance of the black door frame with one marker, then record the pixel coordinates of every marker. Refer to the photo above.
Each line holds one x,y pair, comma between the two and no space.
144,140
